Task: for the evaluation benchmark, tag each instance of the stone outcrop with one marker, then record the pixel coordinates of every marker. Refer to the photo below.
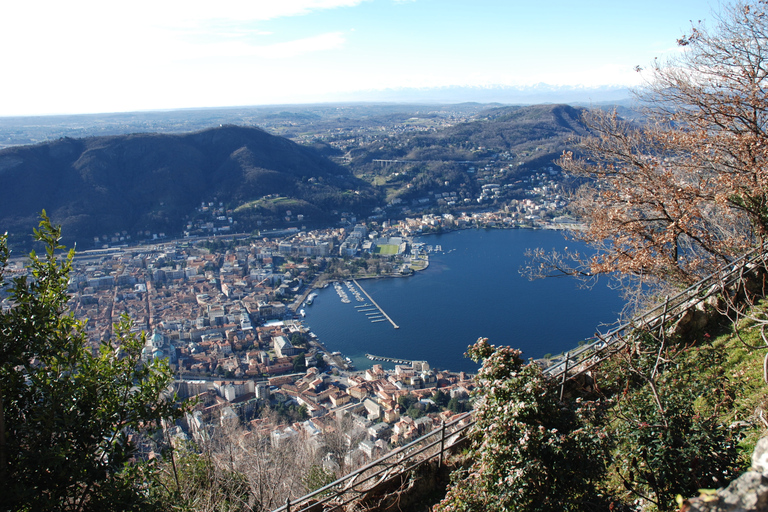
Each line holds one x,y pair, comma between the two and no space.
748,493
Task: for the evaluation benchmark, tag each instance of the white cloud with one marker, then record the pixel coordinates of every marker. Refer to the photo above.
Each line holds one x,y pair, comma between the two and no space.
31,27
162,12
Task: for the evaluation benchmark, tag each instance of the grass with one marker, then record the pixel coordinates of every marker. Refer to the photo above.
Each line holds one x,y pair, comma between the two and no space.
744,366
386,250
282,202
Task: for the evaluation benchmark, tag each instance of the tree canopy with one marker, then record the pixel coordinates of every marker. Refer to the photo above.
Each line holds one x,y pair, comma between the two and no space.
664,202
673,198
69,412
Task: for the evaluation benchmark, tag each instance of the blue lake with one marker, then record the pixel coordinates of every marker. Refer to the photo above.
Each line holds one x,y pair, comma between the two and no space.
472,289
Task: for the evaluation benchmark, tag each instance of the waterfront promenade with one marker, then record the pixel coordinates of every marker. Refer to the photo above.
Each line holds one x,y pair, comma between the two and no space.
375,304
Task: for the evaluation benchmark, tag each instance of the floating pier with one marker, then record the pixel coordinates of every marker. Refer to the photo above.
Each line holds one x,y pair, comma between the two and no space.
375,304
388,359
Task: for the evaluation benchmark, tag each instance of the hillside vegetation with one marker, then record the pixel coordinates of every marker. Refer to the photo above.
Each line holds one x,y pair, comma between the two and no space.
149,182
139,185
663,205
668,415
521,138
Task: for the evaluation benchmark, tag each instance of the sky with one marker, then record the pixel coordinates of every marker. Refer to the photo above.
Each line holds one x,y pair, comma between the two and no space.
97,56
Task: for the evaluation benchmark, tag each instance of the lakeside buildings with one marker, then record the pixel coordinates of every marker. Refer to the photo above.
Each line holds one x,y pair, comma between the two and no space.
225,322
223,315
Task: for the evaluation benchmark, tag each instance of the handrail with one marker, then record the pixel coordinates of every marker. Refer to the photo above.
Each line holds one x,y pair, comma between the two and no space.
402,460
601,346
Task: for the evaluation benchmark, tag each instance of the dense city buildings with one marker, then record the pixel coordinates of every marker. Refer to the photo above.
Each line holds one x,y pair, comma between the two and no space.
225,311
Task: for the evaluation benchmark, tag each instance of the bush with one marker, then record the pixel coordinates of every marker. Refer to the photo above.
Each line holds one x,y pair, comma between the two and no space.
528,450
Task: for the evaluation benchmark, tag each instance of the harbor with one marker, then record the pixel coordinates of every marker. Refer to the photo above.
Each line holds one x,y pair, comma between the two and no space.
466,294
376,305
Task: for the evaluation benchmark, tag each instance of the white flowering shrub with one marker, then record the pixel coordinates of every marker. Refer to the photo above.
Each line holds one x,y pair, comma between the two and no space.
529,451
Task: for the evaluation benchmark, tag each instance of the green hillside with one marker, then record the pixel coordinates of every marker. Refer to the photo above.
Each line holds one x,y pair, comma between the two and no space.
149,182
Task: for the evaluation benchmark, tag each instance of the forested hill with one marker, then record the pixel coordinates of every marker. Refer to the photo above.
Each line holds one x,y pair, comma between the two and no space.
503,144
120,186
133,184
540,129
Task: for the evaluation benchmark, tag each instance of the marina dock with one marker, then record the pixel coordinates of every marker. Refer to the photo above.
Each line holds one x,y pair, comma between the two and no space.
375,304
388,359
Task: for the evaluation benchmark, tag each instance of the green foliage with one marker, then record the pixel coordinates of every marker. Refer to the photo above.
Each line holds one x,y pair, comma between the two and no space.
670,438
155,182
655,427
406,401
69,410
299,339
415,411
529,451
441,399
200,484
456,405
290,413
299,363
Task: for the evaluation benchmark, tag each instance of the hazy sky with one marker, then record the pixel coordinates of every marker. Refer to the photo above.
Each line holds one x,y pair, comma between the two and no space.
83,56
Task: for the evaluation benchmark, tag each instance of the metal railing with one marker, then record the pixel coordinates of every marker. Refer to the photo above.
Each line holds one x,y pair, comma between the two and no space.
362,482
600,347
366,480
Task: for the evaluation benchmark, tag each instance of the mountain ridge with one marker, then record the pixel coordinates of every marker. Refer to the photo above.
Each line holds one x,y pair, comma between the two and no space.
140,182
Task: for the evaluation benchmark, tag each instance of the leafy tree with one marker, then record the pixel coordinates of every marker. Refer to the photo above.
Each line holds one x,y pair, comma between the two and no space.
406,401
415,411
69,411
441,399
202,484
298,339
317,477
457,405
685,192
299,363
529,451
651,430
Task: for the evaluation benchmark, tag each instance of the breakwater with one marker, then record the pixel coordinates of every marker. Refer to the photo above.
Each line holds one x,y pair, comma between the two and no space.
376,305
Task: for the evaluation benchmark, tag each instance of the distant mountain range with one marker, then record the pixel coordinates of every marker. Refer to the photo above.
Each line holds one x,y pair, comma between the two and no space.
510,95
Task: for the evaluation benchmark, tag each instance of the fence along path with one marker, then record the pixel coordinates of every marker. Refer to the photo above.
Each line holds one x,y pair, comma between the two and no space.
597,349
366,480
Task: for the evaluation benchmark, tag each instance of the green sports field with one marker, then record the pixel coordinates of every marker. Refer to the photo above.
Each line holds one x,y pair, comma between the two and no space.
386,250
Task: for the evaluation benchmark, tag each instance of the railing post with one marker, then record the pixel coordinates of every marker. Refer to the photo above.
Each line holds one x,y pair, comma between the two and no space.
565,375
442,444
288,504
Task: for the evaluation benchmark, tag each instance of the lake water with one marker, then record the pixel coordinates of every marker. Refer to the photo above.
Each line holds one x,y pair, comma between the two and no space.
472,289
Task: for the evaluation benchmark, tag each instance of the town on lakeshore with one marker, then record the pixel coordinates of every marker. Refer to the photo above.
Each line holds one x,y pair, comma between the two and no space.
226,311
